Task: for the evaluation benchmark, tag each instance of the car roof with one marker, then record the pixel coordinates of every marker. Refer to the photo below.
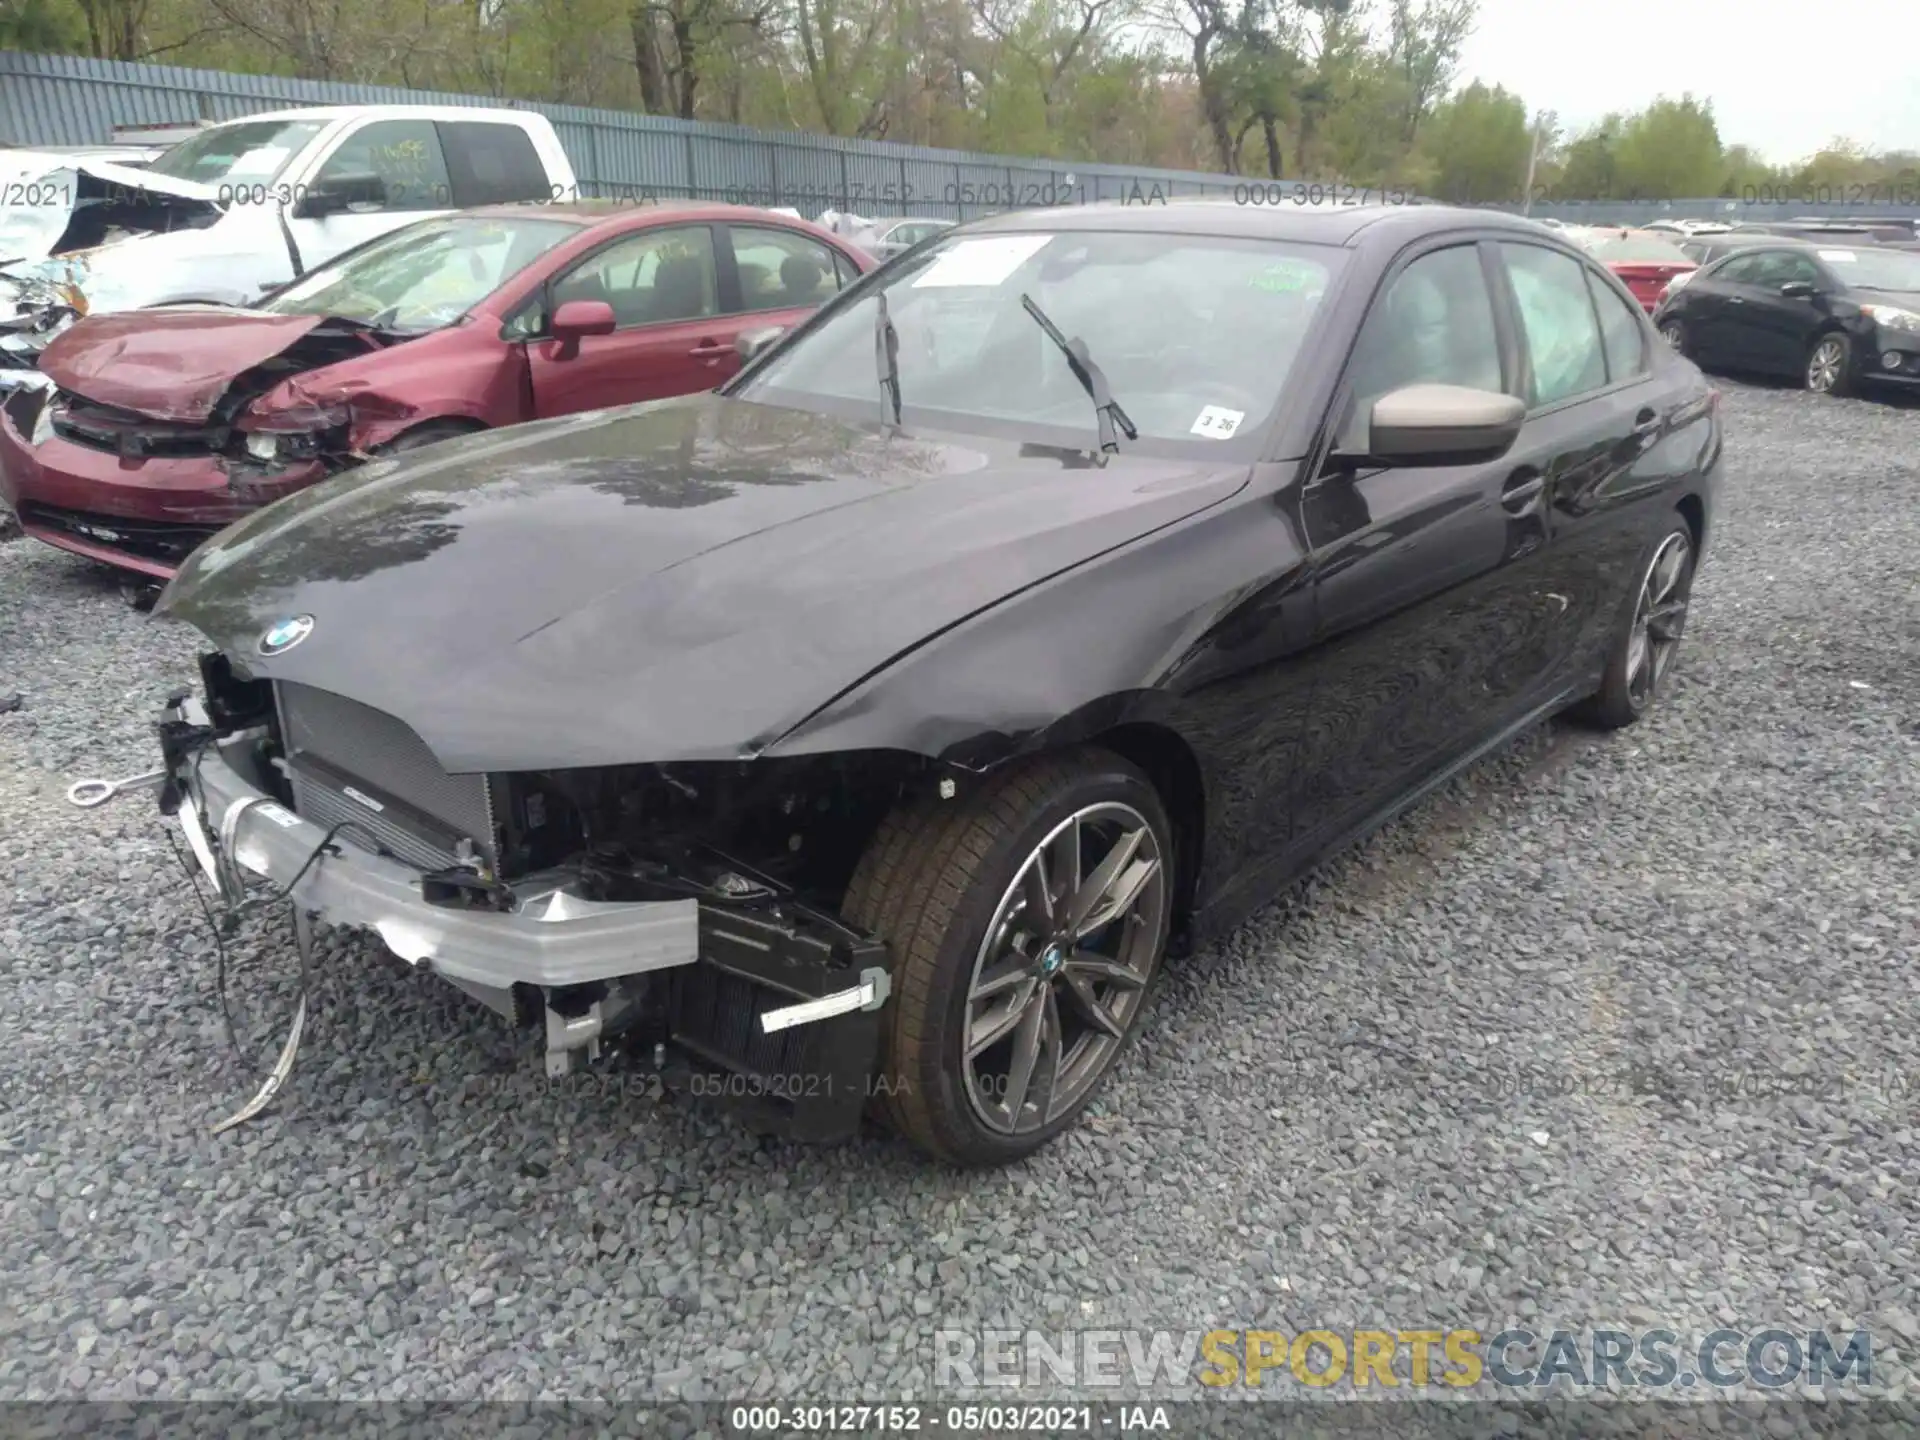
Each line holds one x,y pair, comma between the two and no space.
611,212
1636,232
329,113
1344,225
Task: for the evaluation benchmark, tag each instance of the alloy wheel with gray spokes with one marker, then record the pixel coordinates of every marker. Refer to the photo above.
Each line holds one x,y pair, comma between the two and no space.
1063,968
1675,334
1646,641
1025,918
1660,617
1827,366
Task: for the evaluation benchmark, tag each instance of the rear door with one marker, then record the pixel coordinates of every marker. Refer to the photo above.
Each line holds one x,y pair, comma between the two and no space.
1712,302
1432,622
774,276
1607,440
670,337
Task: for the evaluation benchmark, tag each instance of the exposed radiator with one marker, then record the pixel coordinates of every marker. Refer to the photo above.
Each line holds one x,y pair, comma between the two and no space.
338,750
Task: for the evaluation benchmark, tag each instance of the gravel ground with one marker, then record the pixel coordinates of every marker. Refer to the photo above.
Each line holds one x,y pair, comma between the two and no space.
1617,1031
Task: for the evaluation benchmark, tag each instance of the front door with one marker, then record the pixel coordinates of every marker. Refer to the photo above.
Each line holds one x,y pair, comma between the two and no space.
670,337
1776,329
404,155
1435,609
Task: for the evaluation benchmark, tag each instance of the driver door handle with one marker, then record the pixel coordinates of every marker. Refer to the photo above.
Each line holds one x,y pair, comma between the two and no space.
709,350
1523,487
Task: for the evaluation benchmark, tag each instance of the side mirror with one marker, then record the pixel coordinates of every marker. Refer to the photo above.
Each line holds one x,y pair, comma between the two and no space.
1443,425
577,319
334,193
1797,289
753,343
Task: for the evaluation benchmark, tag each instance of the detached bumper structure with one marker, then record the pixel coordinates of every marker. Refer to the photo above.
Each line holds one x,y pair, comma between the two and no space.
776,1000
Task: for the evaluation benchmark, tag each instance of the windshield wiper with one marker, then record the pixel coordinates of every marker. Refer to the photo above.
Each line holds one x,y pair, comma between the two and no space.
1106,409
886,355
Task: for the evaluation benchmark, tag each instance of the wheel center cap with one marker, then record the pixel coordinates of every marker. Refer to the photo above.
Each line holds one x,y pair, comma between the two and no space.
1051,959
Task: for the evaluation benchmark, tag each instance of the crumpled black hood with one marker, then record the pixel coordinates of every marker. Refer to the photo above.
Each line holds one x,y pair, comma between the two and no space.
677,581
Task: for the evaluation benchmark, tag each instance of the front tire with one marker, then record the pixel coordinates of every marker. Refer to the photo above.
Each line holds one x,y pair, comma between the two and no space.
1829,368
1027,921
1646,645
1674,332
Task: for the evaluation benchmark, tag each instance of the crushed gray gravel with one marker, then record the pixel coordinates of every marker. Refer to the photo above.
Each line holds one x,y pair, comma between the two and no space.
1613,1031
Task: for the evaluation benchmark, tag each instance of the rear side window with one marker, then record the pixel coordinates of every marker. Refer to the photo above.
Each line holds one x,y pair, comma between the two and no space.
1742,270
781,270
1556,311
1621,334
492,164
404,154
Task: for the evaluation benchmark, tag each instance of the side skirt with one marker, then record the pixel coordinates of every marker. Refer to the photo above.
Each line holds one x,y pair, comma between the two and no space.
1255,888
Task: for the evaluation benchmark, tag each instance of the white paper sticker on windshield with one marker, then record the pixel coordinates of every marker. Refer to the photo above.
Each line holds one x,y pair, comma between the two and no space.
1218,424
1841,255
266,160
986,261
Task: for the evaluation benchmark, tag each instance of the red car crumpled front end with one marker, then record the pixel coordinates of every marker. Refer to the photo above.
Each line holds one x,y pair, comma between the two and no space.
134,492
147,446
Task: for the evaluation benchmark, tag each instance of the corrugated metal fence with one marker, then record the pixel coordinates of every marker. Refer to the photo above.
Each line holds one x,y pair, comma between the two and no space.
71,100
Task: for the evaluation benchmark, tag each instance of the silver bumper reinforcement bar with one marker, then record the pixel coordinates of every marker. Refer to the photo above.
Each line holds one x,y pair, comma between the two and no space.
552,938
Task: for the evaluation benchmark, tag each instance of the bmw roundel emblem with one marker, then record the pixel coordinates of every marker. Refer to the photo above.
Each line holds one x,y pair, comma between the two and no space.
283,635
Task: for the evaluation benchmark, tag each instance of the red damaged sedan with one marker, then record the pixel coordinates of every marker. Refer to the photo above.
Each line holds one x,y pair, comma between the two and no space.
168,424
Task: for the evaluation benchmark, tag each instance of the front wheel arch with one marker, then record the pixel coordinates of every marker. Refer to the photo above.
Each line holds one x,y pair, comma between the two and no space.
429,432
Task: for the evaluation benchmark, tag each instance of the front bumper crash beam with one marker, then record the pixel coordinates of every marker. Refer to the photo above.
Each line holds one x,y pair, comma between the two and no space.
779,1000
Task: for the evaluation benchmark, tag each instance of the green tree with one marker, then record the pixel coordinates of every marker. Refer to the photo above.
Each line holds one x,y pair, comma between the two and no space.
1668,151
1589,161
1478,143
46,26
1424,38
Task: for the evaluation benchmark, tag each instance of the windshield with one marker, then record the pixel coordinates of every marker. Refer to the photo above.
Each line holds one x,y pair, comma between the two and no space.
1195,336
253,151
1639,249
425,276
1875,269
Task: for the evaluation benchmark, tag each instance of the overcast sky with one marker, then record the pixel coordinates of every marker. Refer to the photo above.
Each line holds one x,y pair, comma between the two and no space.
1783,78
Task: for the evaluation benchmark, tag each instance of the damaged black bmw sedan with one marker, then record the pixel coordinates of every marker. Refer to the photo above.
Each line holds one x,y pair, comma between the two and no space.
866,731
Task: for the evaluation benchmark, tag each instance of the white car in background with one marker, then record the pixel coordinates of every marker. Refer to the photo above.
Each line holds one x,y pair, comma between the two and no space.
889,237
245,206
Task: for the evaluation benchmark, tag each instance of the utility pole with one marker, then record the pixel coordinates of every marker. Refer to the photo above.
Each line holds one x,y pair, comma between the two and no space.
1542,124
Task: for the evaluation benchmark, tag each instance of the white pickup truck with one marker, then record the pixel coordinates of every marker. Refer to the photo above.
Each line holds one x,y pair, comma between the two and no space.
244,206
